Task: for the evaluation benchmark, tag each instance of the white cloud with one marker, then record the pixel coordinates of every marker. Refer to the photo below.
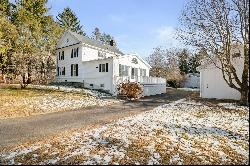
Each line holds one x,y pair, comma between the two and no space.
166,36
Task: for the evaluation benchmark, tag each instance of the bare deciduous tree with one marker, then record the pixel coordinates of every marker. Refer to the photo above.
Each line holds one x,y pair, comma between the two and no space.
217,26
165,63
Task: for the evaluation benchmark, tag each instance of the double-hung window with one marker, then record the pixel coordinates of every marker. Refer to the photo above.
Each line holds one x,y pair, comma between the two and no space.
74,69
143,72
123,70
103,67
63,71
61,56
60,71
74,52
134,72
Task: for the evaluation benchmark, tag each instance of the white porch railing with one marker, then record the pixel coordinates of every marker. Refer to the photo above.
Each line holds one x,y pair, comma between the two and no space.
140,79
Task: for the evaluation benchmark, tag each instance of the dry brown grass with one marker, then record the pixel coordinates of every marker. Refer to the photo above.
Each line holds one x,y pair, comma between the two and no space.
20,103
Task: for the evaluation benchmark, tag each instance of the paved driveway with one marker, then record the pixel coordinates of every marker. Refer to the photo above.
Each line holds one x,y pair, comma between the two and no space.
19,130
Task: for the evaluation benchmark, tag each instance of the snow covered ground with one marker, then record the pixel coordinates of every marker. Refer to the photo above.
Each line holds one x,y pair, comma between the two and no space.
71,89
190,89
186,89
183,132
27,102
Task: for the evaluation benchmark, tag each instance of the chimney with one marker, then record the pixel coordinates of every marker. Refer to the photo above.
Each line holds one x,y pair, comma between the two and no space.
97,37
111,42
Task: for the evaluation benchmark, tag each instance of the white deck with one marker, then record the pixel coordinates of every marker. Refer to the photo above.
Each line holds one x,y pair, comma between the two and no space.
141,79
151,85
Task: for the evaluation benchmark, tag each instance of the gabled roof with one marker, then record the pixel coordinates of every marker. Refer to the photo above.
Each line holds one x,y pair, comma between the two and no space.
139,57
95,43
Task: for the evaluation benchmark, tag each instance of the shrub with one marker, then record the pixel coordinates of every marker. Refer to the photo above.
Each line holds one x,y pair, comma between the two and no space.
130,89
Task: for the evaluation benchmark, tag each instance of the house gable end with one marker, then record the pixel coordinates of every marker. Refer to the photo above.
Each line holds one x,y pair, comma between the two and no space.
140,59
67,39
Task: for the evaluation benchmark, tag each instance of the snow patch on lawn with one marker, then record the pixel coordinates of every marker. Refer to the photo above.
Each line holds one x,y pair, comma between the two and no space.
233,106
71,89
189,89
183,132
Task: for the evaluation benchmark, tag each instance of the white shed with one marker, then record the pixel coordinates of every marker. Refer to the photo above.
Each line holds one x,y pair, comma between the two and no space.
212,84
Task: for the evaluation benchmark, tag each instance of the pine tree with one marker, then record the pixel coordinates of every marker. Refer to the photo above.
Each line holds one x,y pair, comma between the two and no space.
36,39
193,63
68,20
106,38
96,34
183,61
103,37
5,8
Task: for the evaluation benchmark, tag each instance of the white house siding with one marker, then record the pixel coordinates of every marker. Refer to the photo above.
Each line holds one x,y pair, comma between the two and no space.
91,53
66,40
148,89
67,64
212,84
93,76
127,60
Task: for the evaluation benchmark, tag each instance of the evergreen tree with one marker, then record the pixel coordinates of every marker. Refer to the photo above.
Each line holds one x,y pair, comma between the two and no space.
36,39
5,8
96,34
68,20
183,61
106,38
8,35
103,37
193,63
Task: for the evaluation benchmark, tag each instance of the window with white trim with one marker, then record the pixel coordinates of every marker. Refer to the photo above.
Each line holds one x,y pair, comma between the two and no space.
74,52
143,72
74,69
62,57
123,70
103,67
63,71
134,72
59,55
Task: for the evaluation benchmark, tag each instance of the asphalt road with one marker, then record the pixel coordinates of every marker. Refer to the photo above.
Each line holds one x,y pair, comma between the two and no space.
18,130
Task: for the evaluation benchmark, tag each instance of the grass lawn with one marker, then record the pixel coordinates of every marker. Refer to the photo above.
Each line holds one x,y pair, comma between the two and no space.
183,132
15,102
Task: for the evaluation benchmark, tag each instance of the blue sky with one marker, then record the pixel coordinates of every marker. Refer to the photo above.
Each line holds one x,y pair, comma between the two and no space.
137,25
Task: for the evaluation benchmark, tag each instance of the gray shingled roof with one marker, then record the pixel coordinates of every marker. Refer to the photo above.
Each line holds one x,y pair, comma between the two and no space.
95,43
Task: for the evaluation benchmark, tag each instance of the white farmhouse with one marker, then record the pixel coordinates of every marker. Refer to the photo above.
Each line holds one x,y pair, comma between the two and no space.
212,84
101,66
